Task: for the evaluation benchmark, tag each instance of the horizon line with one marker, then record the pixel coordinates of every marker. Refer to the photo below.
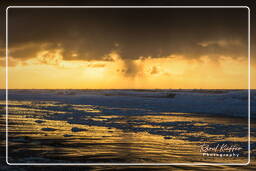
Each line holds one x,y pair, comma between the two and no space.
127,89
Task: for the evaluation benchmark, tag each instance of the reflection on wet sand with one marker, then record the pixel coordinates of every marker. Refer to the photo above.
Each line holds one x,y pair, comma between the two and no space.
85,133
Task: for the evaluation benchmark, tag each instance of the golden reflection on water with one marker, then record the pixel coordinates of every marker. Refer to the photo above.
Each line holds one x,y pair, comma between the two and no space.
13,102
110,143
86,108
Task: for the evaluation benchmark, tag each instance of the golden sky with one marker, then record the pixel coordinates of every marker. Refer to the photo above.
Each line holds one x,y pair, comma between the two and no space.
161,73
126,49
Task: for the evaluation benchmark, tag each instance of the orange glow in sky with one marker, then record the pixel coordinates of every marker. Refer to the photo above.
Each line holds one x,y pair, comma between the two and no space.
173,71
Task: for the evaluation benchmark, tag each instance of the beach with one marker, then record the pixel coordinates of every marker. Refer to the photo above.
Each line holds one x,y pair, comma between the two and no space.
127,126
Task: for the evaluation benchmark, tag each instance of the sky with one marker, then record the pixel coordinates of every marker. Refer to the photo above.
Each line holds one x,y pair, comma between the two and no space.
143,48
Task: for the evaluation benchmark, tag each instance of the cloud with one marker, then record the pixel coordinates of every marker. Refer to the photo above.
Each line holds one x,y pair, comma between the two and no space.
49,57
96,65
93,34
130,68
221,43
154,70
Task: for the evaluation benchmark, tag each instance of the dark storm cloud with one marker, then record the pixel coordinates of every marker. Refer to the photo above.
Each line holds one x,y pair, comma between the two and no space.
92,34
